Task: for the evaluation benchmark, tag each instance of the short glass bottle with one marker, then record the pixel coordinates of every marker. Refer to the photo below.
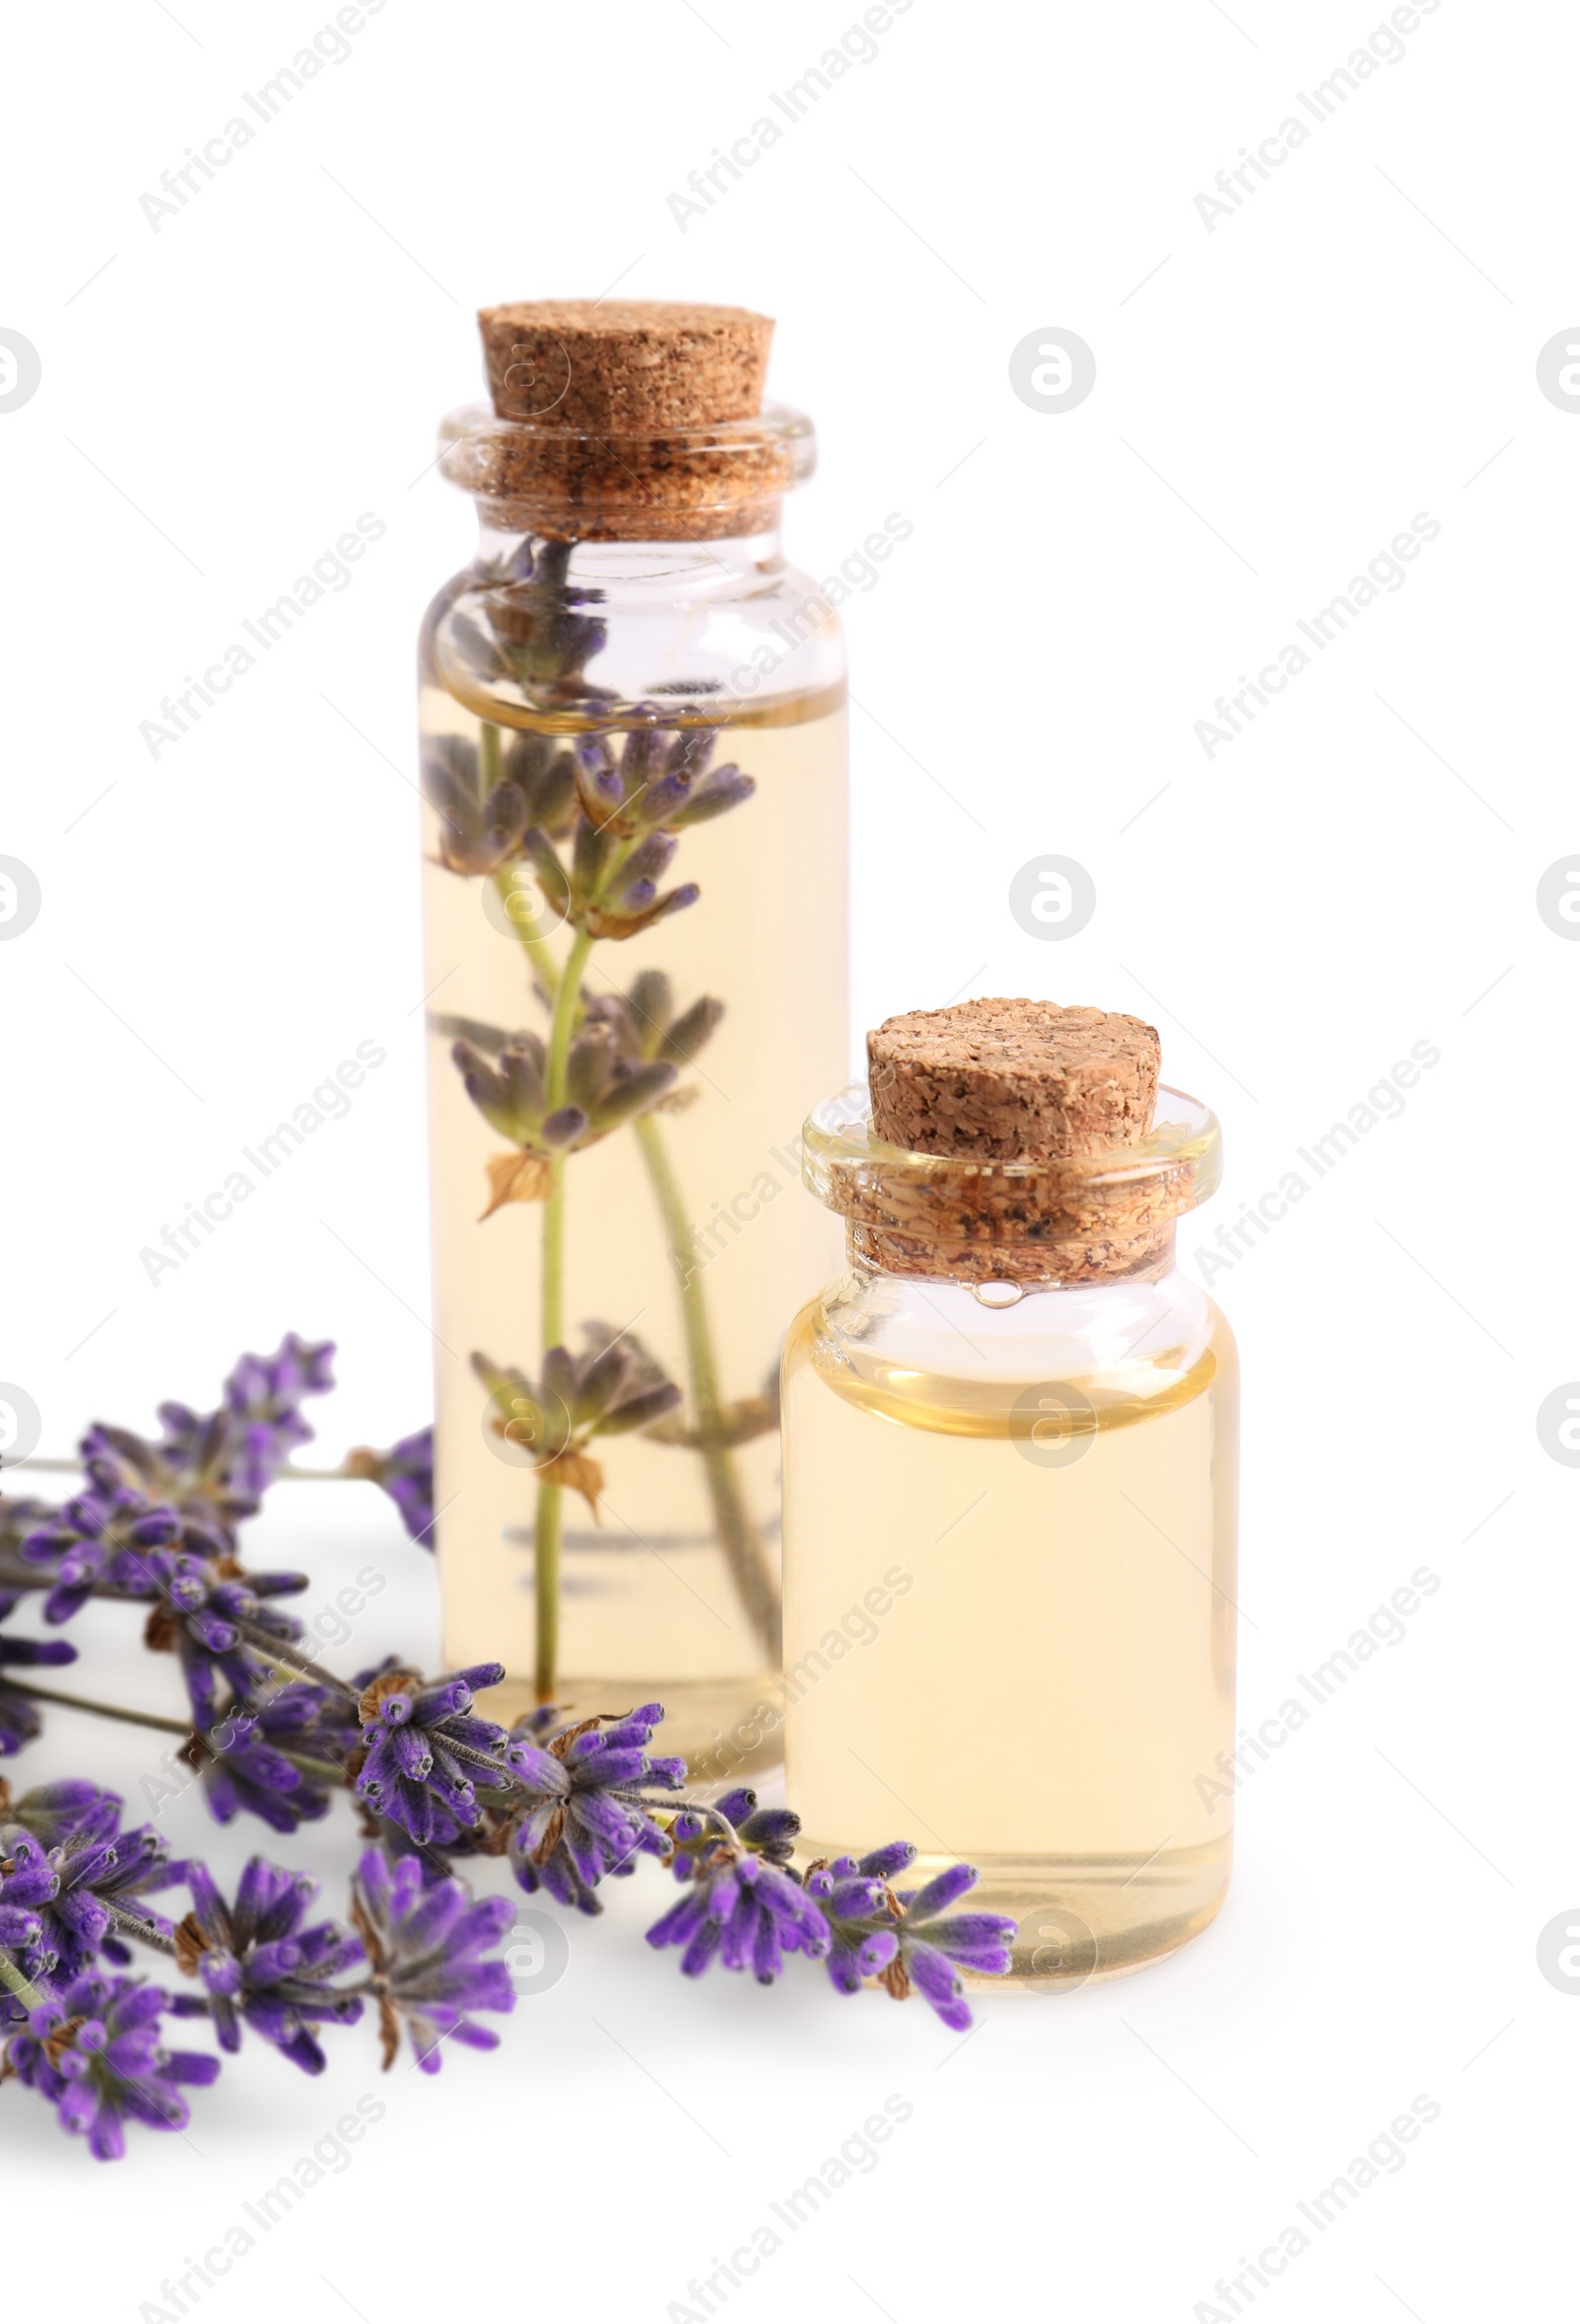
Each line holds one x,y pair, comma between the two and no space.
1010,1511
619,1063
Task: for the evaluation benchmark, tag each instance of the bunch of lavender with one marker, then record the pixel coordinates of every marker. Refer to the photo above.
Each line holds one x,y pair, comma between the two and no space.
568,1802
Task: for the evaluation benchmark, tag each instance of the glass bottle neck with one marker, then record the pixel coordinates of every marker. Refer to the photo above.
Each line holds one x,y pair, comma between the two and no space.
1001,1274
632,573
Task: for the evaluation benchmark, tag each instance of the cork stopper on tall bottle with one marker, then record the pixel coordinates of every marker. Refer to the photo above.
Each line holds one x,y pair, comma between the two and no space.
1053,1091
632,418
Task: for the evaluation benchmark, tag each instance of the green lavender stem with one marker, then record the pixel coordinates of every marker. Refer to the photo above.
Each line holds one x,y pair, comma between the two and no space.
23,1989
82,1703
551,1498
739,1535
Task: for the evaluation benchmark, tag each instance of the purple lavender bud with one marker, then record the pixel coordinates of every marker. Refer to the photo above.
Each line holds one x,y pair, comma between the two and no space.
94,2051
941,1891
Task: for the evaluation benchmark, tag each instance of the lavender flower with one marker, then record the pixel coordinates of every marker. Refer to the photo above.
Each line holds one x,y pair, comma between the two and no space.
263,1397
422,1752
258,1965
645,1025
745,1910
605,1088
481,826
205,1618
94,2051
658,781
212,1467
537,637
278,1759
422,1941
770,1832
609,888
615,1387
932,1941
27,1882
52,1811
18,1714
99,1875
585,1817
854,1898
406,1473
105,1537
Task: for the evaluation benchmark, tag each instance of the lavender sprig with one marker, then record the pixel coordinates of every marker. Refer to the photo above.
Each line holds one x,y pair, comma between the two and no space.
260,1966
424,1942
94,2051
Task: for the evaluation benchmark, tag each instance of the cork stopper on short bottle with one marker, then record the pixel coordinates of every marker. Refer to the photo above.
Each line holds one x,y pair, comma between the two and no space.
630,366
1012,1080
993,1083
631,419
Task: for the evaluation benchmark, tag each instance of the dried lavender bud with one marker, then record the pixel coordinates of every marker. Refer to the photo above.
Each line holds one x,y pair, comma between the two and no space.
932,1941
108,1536
213,1468
245,1762
98,1876
422,1942
585,1817
52,1811
27,1879
615,1388
422,1747
20,1721
479,828
743,1911
260,1966
95,2053
205,1619
657,782
406,1473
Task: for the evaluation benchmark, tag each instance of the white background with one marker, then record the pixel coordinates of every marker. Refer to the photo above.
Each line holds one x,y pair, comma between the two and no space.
1275,399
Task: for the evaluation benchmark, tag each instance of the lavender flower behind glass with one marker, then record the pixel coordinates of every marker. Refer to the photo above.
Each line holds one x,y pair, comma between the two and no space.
611,1390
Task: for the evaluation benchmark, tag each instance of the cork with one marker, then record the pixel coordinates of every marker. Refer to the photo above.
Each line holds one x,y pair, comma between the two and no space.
632,419
624,366
1021,1082
1012,1080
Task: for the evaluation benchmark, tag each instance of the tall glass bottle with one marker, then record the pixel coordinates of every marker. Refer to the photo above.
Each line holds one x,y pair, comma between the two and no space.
635,903
1010,1466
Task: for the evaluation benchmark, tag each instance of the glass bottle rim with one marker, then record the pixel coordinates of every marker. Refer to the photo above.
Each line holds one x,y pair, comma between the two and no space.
1176,1167
777,445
